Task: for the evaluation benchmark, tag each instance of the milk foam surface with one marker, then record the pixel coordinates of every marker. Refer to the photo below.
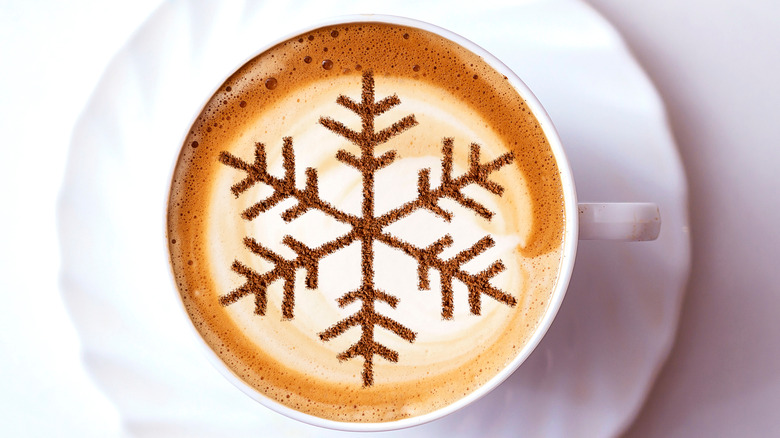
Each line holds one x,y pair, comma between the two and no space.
284,358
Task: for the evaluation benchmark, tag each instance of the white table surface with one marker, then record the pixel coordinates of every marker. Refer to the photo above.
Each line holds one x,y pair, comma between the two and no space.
716,64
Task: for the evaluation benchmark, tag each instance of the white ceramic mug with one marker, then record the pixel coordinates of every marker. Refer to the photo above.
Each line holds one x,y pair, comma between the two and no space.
588,221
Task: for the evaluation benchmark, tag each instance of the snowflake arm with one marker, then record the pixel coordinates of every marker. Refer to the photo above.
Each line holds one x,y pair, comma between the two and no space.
306,258
450,269
367,347
257,284
284,188
449,187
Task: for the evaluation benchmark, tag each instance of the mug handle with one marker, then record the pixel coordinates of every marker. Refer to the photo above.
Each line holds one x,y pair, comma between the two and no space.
625,221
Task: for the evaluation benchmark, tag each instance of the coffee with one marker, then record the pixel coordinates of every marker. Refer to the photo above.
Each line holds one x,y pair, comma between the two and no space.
366,222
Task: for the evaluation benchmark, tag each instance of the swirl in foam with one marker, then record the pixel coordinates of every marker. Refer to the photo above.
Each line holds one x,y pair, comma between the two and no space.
284,358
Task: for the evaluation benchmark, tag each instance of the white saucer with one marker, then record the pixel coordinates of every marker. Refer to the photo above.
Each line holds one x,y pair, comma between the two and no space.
590,374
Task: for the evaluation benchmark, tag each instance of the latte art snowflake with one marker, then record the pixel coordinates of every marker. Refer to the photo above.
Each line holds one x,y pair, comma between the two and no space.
367,228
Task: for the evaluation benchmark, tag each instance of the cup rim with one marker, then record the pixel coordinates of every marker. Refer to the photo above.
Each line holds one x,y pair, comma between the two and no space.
570,239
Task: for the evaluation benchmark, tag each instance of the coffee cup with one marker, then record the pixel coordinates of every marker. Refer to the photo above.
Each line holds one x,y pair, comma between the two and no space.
372,223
